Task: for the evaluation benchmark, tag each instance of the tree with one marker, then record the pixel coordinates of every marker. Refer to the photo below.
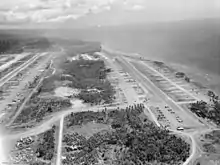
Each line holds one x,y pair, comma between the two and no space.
49,109
187,79
211,93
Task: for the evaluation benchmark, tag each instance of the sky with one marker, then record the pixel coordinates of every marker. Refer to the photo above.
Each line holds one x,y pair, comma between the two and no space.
104,12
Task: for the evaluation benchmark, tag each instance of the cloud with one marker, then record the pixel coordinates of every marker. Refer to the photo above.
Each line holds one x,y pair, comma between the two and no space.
64,18
52,10
38,7
61,10
138,7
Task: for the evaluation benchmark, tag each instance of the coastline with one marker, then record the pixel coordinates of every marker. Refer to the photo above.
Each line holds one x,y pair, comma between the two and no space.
201,76
209,80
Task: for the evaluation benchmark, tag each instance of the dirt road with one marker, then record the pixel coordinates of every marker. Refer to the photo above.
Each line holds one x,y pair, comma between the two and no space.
193,144
59,147
47,124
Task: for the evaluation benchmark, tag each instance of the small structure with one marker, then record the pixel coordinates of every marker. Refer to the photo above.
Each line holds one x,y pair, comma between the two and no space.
180,129
180,75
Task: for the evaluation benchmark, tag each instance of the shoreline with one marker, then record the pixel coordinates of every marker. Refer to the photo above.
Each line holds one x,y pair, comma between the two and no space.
204,77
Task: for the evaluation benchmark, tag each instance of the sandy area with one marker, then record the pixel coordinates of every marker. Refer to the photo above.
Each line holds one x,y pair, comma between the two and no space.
76,103
83,56
210,80
3,59
65,91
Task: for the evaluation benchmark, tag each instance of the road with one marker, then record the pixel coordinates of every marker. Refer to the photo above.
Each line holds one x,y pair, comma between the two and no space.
59,148
51,66
193,145
47,124
152,115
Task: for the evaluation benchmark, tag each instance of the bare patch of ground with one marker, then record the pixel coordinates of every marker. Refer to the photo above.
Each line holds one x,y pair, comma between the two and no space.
65,91
34,149
210,145
88,129
76,103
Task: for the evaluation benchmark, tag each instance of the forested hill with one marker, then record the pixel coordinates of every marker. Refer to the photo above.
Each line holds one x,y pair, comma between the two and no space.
16,41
